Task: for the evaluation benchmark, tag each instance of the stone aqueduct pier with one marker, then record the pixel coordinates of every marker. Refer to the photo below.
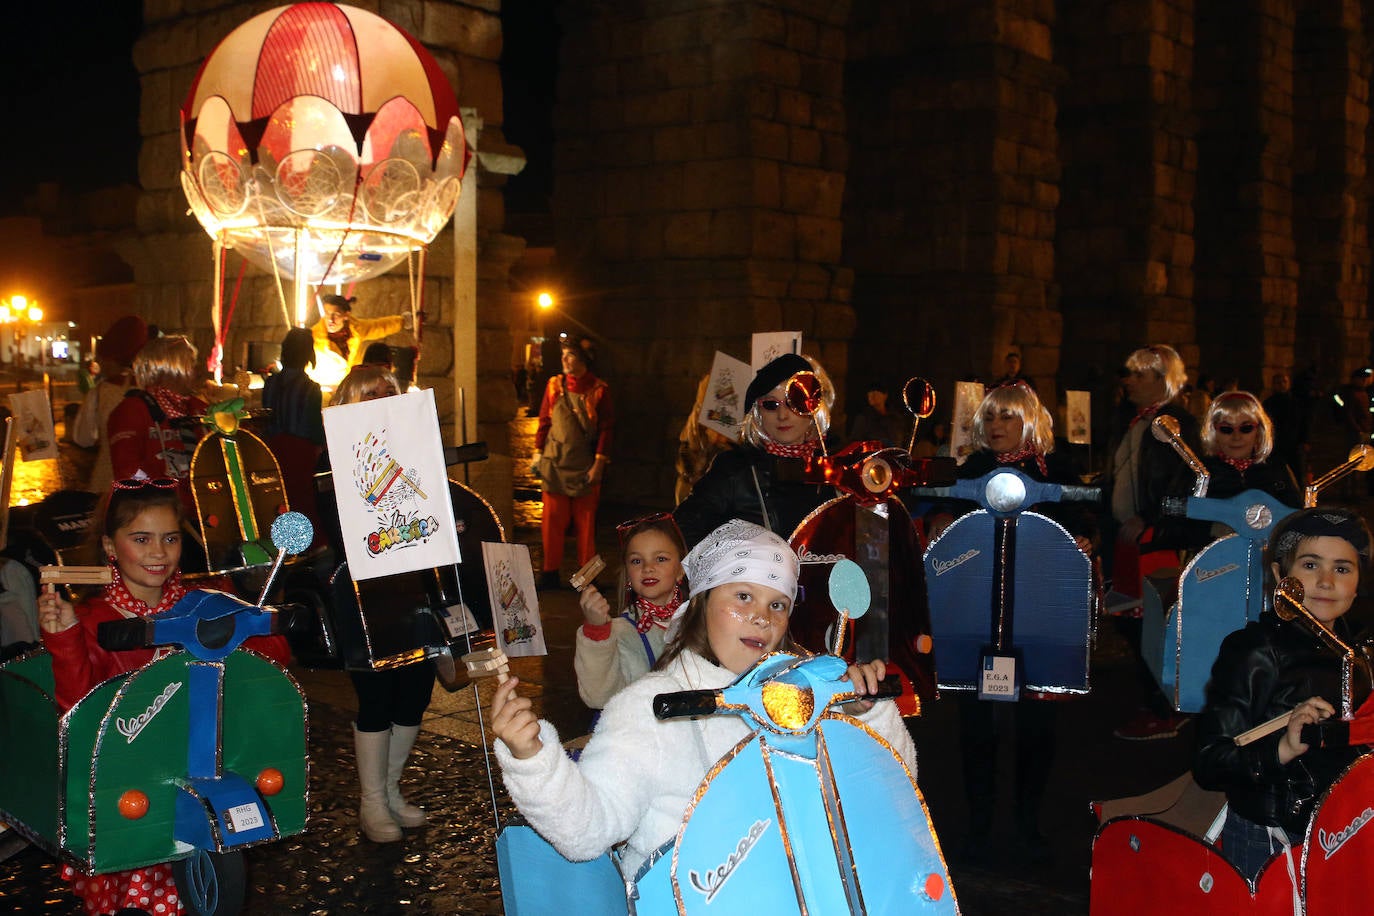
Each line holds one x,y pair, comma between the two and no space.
916,186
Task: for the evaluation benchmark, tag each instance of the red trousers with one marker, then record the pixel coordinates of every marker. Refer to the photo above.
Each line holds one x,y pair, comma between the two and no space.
558,510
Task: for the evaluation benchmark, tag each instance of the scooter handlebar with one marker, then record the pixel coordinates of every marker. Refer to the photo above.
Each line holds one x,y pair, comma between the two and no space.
694,703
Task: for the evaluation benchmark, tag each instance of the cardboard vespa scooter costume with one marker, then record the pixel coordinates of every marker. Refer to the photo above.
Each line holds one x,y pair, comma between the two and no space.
811,813
238,490
1222,588
1162,855
1012,597
189,759
869,525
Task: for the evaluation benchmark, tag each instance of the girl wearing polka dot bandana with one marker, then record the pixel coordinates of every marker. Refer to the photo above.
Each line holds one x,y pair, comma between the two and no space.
142,537
638,774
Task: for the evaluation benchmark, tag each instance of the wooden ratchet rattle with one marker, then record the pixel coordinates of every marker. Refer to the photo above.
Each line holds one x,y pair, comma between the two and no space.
486,662
75,575
584,576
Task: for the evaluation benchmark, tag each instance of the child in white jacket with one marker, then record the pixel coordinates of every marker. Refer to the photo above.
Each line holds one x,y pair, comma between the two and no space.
638,774
614,651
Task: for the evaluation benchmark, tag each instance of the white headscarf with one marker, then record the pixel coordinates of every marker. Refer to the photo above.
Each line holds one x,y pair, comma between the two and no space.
741,551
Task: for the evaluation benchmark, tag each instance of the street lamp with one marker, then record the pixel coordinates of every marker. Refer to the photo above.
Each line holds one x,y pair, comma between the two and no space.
20,311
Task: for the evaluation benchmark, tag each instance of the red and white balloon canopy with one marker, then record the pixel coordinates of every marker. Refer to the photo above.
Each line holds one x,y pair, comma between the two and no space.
322,143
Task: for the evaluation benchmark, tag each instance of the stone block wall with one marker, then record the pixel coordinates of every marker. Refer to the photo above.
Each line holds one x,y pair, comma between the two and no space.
1331,205
1125,245
953,189
700,165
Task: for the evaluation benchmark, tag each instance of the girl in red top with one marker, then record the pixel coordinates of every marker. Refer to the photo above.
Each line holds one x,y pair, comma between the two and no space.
142,538
156,427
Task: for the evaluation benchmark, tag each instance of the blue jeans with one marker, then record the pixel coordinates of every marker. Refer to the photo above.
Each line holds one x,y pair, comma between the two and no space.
1247,845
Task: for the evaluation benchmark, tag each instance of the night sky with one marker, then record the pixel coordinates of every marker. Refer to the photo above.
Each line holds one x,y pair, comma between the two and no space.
71,99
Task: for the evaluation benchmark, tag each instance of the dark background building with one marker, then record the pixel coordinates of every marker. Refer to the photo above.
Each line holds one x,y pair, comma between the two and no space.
918,187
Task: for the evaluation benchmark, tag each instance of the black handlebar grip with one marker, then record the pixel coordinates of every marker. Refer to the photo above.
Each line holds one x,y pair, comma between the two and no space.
1331,733
889,688
1072,493
124,635
1176,506
685,703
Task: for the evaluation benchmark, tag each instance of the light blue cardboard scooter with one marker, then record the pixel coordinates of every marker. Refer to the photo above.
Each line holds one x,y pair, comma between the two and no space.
812,813
1222,588
1011,596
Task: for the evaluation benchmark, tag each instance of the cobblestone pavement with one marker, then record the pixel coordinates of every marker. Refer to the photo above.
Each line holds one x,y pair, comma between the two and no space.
449,866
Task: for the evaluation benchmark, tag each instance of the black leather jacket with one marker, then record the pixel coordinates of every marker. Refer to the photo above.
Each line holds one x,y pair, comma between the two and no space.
1272,476
1263,670
728,490
1156,464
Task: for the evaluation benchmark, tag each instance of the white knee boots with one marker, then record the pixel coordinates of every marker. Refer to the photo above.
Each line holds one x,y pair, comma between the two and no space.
382,756
374,815
402,740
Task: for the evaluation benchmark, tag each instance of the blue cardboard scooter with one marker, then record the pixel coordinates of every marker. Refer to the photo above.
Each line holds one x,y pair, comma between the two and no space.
1221,589
1012,599
811,813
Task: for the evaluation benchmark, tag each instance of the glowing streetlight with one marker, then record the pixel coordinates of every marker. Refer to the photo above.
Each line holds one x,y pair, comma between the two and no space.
545,300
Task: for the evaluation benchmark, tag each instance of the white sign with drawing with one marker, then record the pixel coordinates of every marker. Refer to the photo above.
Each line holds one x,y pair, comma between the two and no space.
391,485
1079,412
723,407
769,345
514,602
33,421
967,397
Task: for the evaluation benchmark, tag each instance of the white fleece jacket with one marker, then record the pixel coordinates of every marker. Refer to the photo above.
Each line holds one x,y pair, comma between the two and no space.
605,666
637,773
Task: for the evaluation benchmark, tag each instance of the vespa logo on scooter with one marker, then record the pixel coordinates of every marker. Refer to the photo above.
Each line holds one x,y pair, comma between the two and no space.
715,879
1332,842
130,728
944,566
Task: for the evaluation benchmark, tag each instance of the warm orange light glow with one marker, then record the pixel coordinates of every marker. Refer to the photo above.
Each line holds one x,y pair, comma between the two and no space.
545,300
35,313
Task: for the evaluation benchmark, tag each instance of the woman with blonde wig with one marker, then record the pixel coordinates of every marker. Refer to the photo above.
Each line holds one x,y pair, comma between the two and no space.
744,482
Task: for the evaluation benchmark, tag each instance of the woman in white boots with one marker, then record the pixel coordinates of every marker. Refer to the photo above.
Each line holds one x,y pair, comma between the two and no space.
390,702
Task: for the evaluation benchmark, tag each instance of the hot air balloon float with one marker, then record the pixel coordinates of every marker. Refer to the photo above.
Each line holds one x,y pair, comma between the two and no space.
324,145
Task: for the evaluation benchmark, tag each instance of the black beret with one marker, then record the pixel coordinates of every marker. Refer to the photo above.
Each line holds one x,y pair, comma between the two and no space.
773,375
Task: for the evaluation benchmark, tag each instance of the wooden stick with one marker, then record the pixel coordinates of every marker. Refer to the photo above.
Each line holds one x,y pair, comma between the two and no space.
75,575
584,576
1260,731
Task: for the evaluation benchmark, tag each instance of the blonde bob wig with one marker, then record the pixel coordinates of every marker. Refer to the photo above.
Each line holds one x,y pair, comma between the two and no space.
1163,361
1234,408
751,430
1017,399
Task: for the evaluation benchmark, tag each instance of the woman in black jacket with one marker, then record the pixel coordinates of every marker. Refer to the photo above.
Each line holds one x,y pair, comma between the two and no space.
760,480
1273,666
1237,440
1012,429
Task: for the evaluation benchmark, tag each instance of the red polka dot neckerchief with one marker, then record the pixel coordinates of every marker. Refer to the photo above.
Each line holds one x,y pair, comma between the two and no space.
799,450
649,614
1240,464
119,597
1021,454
